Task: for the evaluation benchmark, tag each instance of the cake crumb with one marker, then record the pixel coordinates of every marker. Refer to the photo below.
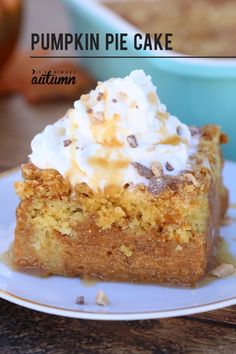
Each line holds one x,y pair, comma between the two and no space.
126,250
179,248
114,100
101,298
189,177
80,300
223,270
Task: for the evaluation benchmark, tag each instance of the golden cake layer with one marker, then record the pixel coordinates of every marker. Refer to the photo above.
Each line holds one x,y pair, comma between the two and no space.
161,234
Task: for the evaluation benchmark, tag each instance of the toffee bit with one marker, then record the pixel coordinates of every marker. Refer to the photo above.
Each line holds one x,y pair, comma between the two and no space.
180,130
89,110
67,142
142,170
133,143
100,96
169,167
156,185
101,298
223,270
79,300
157,169
114,100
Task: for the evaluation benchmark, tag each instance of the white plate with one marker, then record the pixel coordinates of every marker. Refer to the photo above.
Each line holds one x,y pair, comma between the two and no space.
56,295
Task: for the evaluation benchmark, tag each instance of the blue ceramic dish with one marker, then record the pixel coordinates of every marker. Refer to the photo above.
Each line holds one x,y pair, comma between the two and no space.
198,91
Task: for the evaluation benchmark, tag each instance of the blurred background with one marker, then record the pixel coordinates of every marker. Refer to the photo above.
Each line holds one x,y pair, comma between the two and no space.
198,92
20,120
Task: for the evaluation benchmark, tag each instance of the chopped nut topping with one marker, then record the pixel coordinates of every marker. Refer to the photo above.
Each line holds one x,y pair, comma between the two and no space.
169,167
114,100
101,298
100,96
189,177
133,143
156,185
80,300
97,118
143,170
157,169
150,148
179,130
90,110
223,270
67,142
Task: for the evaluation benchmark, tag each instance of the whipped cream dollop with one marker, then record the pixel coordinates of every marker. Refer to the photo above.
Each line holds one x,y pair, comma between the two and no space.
115,135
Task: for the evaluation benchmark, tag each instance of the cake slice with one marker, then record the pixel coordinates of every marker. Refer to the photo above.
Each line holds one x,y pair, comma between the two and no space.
121,190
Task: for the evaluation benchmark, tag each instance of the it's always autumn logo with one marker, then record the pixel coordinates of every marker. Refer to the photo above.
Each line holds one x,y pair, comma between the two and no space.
53,77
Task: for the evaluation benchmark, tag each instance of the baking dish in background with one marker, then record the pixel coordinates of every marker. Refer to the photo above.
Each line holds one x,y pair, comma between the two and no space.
198,91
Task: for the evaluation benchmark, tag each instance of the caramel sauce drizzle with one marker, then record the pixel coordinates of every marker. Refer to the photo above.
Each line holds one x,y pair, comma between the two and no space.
74,168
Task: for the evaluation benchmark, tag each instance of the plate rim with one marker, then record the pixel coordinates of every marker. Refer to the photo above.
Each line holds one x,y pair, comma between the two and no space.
107,315
114,316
